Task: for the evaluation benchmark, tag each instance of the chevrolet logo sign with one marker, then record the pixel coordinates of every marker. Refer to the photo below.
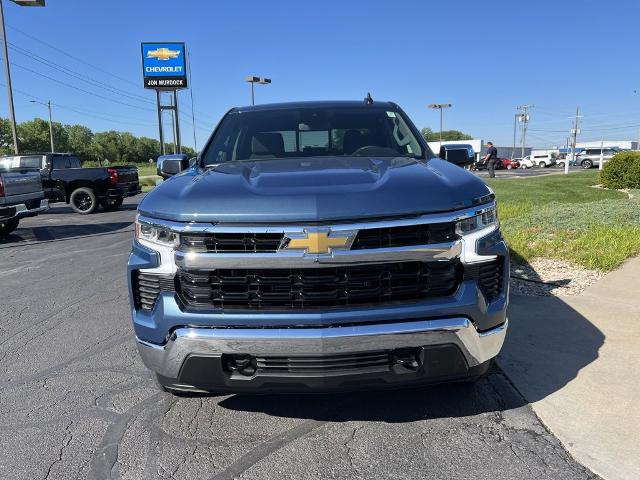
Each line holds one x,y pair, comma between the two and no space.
163,53
319,242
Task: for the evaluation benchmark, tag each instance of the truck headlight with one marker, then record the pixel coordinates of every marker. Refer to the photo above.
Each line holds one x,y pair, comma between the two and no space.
479,222
148,232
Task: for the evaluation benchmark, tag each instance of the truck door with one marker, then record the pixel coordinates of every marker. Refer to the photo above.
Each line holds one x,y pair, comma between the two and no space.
57,175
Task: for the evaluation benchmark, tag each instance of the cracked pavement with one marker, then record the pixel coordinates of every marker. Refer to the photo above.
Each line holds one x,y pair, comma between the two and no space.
76,401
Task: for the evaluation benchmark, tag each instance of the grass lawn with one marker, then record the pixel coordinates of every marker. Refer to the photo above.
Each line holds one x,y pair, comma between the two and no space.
560,216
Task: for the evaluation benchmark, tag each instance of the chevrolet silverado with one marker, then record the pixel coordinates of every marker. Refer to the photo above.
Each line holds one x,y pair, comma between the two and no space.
317,246
21,196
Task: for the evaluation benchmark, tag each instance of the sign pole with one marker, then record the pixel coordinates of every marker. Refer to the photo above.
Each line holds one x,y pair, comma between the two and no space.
177,124
160,123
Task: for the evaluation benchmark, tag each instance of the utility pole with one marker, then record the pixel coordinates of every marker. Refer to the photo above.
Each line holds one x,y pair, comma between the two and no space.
7,73
524,121
574,132
48,105
7,69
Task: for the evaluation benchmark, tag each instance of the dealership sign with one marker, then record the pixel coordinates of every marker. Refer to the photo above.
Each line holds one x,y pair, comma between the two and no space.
164,65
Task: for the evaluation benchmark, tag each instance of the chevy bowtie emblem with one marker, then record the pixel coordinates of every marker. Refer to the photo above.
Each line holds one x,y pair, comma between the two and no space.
319,242
163,53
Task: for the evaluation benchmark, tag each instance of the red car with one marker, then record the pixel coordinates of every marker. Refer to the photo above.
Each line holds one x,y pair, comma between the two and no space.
509,164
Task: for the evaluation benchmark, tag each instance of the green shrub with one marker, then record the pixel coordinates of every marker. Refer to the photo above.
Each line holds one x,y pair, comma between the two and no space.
622,171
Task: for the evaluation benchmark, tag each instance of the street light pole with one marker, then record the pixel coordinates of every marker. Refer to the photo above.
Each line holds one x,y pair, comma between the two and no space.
7,70
48,105
253,79
439,106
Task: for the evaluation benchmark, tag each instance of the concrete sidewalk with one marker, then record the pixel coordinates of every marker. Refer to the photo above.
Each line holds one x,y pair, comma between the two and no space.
577,361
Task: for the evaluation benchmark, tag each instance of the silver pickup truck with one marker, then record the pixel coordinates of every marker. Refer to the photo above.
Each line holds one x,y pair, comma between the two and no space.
21,195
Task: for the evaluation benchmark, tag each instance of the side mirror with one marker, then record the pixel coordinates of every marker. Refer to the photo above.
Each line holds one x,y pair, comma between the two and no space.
169,165
460,156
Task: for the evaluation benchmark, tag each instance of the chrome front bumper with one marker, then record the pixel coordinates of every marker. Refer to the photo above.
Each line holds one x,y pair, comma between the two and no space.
168,359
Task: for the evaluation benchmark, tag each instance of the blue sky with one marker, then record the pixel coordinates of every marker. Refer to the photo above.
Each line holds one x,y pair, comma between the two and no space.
483,57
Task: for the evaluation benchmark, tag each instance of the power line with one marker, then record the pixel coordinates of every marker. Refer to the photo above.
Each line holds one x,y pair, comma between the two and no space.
64,52
114,118
108,87
78,88
78,75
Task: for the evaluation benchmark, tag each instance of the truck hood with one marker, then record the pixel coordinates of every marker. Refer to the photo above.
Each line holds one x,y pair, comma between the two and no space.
314,190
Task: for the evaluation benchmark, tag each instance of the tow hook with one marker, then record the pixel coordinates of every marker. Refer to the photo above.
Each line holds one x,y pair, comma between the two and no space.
408,358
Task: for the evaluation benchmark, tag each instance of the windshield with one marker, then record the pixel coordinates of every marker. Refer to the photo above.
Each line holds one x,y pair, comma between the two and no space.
312,132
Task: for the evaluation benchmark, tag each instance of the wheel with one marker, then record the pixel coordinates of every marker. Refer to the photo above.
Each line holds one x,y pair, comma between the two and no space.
83,200
586,164
111,203
8,226
561,164
509,167
542,165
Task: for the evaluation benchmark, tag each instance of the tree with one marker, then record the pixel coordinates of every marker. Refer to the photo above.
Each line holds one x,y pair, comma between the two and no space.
6,139
447,135
113,146
33,136
80,138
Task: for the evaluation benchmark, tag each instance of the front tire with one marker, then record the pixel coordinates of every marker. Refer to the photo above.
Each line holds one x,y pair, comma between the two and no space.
509,167
83,201
111,204
8,226
586,164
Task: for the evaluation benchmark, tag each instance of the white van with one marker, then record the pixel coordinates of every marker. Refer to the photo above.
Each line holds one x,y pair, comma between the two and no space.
541,160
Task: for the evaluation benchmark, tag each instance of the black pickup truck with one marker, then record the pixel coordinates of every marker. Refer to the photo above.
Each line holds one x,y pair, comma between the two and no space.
64,180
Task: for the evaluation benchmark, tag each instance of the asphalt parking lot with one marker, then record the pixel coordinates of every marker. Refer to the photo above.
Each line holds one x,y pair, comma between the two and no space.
76,402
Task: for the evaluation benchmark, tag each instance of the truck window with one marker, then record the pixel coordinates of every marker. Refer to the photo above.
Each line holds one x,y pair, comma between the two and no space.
74,162
61,161
31,162
312,132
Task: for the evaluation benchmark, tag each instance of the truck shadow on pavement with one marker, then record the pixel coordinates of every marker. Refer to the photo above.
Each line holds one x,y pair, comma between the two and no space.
491,394
53,233
547,345
59,209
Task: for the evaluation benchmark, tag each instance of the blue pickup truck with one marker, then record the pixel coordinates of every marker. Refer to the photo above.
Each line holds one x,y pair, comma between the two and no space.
317,246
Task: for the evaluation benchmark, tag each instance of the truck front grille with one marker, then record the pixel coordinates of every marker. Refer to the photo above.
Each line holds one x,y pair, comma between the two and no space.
389,237
232,242
314,288
353,362
147,287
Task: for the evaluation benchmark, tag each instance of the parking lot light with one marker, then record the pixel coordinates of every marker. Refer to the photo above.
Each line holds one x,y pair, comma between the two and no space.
439,106
253,79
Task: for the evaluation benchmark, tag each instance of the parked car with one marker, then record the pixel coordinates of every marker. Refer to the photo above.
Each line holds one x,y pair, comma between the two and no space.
64,180
21,195
510,163
287,260
590,157
541,160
